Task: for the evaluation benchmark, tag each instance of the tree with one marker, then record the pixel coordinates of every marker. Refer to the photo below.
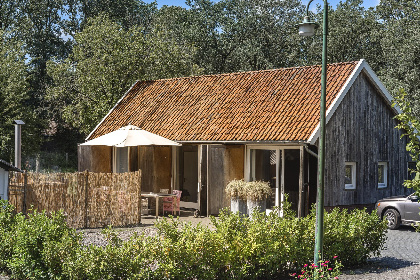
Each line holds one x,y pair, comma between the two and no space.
14,98
127,13
106,60
40,27
410,125
352,35
400,49
9,13
236,35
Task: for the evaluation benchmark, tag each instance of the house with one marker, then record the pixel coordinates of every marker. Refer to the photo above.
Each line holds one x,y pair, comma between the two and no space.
261,125
5,167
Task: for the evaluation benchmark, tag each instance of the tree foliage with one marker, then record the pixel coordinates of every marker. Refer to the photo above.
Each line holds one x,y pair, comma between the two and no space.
14,97
95,49
236,35
400,49
410,125
105,61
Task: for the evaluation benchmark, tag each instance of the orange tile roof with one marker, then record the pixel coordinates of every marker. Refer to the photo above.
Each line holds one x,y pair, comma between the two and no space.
268,105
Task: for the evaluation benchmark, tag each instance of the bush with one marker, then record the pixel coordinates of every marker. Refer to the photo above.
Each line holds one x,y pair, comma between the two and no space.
41,244
236,247
132,259
7,225
353,236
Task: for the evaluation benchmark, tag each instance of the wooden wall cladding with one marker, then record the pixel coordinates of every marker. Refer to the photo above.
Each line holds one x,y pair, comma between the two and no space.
362,130
94,158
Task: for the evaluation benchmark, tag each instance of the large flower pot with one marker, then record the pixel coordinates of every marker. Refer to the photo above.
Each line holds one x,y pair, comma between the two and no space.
238,205
252,204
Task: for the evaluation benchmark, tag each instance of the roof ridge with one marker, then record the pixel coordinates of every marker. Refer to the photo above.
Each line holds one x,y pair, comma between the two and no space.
249,72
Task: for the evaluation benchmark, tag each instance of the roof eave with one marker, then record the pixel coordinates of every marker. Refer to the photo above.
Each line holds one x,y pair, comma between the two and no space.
8,167
240,142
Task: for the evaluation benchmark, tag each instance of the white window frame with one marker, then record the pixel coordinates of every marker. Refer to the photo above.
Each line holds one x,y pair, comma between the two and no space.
279,195
351,186
385,183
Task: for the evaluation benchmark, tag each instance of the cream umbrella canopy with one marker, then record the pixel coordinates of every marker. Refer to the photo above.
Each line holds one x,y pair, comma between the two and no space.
129,136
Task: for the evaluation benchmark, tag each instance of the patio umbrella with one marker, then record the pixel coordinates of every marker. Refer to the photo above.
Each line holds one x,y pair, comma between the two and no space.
129,136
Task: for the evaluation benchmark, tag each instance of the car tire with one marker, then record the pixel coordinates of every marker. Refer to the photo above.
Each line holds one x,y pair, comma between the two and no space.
393,218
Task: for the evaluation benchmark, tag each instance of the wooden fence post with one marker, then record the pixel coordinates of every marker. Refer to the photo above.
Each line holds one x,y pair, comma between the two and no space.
86,197
139,190
25,184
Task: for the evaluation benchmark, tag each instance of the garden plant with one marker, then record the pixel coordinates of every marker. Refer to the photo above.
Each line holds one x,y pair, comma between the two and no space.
42,246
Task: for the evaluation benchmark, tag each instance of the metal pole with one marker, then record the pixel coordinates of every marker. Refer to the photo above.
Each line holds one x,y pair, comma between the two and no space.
18,143
319,230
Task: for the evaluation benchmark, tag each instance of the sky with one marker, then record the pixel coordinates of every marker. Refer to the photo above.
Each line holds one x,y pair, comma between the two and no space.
367,3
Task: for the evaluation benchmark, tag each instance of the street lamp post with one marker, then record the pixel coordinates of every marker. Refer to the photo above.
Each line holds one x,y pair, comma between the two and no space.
307,28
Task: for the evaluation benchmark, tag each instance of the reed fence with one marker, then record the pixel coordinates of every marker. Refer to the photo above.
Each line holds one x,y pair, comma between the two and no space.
88,199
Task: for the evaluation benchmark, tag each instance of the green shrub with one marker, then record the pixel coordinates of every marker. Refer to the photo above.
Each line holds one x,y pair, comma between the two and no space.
266,246
41,244
353,236
131,259
7,225
234,247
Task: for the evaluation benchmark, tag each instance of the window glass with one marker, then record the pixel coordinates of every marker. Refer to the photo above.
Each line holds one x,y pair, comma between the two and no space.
382,174
121,159
348,179
350,176
381,177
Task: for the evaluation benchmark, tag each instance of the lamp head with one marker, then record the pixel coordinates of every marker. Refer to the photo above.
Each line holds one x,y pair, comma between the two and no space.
307,27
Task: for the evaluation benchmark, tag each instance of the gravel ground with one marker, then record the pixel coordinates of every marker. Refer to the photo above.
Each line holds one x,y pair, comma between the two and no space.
399,260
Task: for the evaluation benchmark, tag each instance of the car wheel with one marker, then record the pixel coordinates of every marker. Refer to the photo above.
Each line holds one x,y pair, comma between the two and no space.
393,218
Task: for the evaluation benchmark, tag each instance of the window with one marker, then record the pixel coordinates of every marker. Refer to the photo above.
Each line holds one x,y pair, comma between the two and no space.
350,176
382,174
120,159
411,175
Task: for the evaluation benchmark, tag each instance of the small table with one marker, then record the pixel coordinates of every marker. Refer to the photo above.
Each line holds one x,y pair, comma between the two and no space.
157,196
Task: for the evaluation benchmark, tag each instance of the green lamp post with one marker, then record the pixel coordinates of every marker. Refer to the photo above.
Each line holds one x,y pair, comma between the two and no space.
307,28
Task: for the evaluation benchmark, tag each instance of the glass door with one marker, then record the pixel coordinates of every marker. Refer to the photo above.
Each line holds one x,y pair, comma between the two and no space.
281,167
265,165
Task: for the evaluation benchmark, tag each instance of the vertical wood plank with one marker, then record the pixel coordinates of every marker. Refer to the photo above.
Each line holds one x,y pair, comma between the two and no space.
301,199
362,130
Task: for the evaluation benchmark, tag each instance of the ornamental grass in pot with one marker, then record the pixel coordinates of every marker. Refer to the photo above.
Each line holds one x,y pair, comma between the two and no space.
235,189
257,193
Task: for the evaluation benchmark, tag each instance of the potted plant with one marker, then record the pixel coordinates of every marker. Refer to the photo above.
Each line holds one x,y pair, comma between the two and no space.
257,193
235,190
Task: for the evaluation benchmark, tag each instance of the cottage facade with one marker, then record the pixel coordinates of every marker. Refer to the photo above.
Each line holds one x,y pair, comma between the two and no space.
261,125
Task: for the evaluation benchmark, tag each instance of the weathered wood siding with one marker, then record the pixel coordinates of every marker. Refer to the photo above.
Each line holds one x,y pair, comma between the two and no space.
203,181
95,158
225,162
155,164
133,159
362,130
